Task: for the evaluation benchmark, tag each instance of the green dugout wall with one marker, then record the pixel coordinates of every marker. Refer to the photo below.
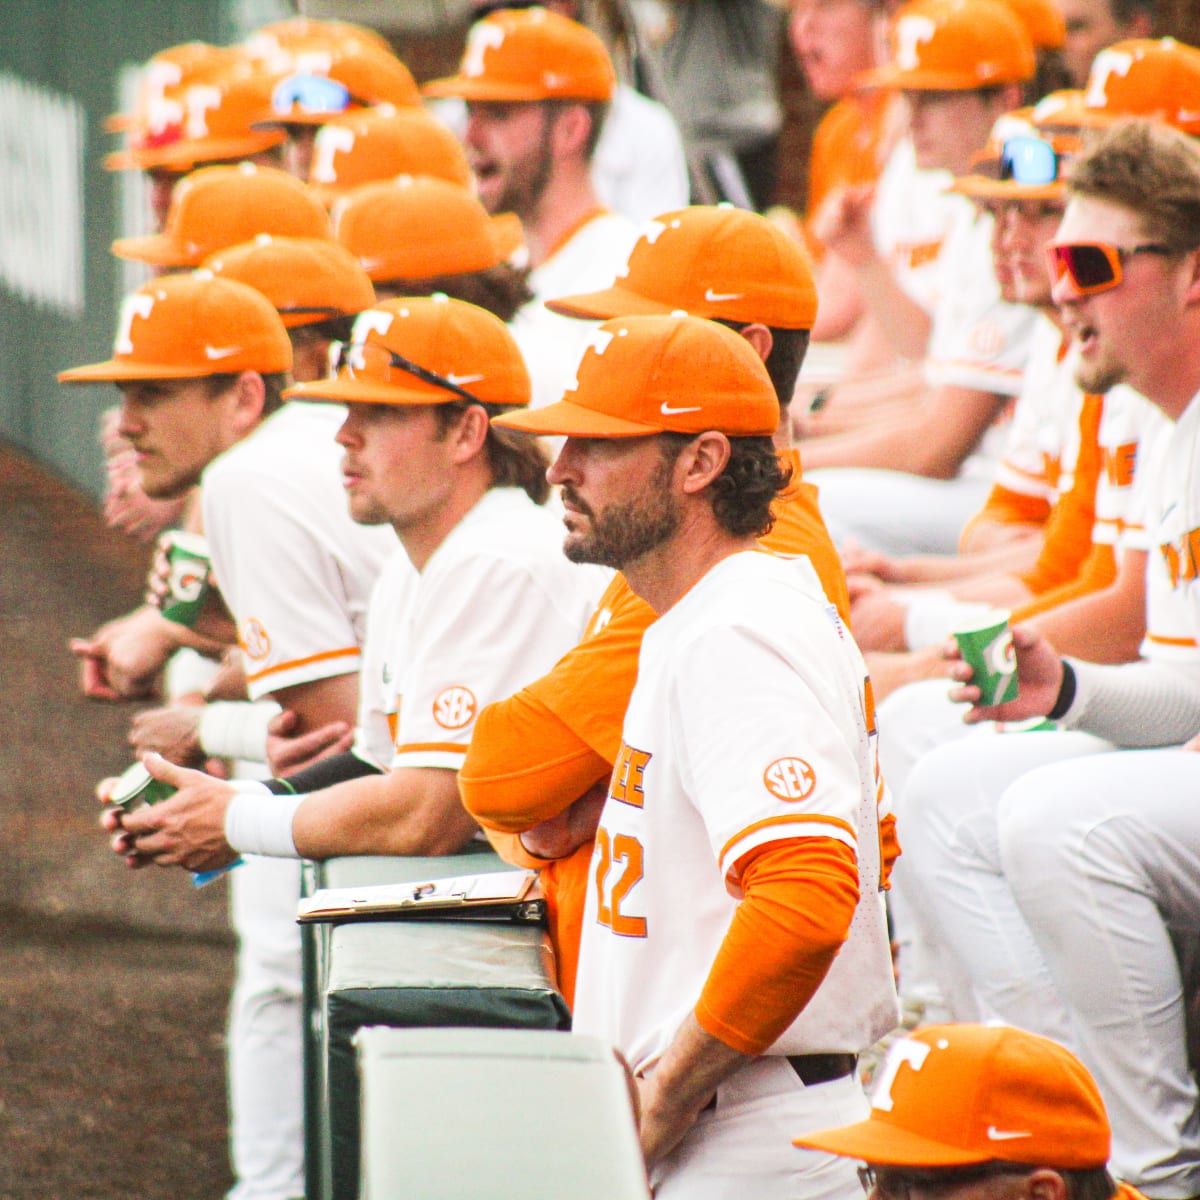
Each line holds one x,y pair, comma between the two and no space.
64,66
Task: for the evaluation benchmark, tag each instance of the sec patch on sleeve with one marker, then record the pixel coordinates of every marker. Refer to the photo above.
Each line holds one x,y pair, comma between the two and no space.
790,779
454,707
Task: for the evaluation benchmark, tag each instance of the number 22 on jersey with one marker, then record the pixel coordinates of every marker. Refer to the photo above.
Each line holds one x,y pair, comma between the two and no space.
618,859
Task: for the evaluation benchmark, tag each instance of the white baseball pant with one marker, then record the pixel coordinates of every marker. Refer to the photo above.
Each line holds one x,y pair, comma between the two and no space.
743,1147
1102,857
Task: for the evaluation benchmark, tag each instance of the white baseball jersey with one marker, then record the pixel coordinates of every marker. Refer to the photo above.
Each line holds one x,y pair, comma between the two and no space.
1171,464
1042,446
495,607
391,600
639,168
586,261
1128,423
910,218
749,723
977,339
295,570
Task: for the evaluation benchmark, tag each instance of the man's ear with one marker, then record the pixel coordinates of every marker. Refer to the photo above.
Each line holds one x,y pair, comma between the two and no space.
759,337
570,129
1045,1184
469,433
249,397
702,460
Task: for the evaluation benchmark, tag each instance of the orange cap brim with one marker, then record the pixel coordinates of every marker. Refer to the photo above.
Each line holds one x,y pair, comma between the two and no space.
183,155
607,303
898,79
115,371
565,419
366,391
979,187
876,1141
158,249
494,90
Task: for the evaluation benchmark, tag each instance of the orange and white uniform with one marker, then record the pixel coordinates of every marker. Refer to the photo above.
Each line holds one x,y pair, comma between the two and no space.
749,739
495,606
296,573
849,147
539,750
911,216
294,568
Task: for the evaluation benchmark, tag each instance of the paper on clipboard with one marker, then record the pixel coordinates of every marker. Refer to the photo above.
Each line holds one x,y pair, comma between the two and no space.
495,896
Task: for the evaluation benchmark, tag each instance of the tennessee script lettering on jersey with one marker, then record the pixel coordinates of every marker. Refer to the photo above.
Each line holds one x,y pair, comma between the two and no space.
627,776
1119,464
1182,558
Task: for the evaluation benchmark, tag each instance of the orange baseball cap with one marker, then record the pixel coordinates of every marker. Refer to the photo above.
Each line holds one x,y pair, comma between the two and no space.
382,143
1061,111
419,227
308,280
190,326
215,207
165,72
1145,77
953,1095
954,45
1043,21
1020,162
425,350
285,37
656,374
361,76
209,120
712,261
530,54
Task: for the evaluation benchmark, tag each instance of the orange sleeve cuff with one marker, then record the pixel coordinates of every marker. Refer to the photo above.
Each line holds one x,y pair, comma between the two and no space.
800,896
1004,508
1098,572
525,766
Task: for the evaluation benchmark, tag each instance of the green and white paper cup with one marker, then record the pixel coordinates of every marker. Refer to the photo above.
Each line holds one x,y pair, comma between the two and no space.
988,647
187,578
136,786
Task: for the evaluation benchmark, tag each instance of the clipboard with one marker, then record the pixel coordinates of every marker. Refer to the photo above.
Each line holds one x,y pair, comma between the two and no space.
504,896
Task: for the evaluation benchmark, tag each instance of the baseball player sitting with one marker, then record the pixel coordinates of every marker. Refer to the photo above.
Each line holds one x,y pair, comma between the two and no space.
735,948
490,605
904,478
538,86
1059,868
980,1111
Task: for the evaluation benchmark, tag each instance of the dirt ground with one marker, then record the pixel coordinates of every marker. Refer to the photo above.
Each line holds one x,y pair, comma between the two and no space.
113,985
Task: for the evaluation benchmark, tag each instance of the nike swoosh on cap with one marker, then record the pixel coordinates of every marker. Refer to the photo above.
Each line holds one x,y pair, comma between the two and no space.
459,380
1004,1135
214,353
668,411
717,297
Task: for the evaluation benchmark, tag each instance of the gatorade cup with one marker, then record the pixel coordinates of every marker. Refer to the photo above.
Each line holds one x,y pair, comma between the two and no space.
988,647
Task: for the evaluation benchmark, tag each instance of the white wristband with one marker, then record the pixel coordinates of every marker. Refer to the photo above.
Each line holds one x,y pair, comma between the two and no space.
933,616
259,822
236,728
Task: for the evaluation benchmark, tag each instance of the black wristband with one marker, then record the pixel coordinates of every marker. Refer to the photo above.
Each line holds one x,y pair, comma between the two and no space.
1066,693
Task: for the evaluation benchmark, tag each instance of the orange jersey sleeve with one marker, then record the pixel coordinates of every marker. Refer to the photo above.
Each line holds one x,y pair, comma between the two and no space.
1098,571
1004,507
800,529
800,895
1068,539
848,148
